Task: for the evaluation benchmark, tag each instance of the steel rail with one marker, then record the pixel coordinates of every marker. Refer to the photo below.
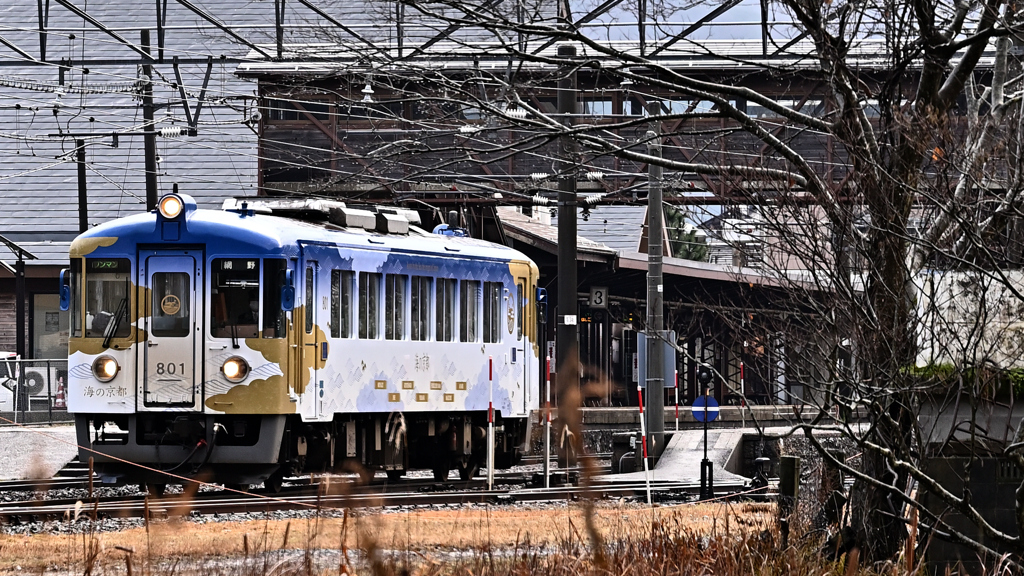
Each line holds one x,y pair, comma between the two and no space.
219,503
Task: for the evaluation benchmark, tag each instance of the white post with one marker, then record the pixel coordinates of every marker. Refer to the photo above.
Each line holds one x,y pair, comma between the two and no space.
677,400
643,442
743,398
547,424
490,424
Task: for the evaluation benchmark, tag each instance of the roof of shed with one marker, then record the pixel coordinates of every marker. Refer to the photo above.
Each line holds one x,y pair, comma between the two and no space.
41,119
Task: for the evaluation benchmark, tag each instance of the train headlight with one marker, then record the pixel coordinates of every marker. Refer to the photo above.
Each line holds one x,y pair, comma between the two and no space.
105,368
171,206
235,369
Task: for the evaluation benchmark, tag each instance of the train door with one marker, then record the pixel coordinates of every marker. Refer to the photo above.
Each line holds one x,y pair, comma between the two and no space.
522,343
312,403
171,307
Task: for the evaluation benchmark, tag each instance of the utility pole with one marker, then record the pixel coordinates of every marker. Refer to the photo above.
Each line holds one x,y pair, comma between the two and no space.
83,197
565,335
655,293
149,136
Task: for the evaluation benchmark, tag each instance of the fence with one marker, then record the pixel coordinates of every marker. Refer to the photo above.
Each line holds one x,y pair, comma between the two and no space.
33,390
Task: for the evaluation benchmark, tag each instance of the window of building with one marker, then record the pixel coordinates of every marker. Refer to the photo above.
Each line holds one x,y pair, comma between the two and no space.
492,312
595,106
341,304
369,303
107,294
394,306
49,327
235,298
445,310
469,311
419,299
285,110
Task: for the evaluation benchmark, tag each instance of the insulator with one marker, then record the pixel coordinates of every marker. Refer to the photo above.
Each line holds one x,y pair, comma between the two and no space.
172,132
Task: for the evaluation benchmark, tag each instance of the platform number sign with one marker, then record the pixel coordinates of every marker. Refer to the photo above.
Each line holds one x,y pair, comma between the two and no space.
598,297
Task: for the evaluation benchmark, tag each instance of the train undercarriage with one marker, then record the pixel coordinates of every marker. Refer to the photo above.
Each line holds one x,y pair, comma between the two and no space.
162,448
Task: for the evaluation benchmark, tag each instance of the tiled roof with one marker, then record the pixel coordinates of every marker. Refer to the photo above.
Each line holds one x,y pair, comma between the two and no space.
38,170
523,227
618,227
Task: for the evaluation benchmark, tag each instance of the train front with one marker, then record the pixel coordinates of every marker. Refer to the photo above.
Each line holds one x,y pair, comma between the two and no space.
172,311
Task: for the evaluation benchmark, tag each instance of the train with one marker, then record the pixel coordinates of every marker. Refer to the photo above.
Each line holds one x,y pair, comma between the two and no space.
279,337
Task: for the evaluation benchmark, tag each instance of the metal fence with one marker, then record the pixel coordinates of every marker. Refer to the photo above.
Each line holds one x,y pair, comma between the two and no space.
33,390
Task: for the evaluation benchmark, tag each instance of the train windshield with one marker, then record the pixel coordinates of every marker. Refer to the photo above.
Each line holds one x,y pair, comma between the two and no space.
107,305
235,308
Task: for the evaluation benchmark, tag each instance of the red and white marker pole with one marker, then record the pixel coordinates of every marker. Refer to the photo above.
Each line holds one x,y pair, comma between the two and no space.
490,423
547,423
677,400
743,398
643,442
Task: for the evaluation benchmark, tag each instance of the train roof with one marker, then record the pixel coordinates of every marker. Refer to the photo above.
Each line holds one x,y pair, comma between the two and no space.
257,230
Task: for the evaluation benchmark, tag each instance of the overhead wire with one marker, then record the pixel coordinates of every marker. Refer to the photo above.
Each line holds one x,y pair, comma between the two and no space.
219,93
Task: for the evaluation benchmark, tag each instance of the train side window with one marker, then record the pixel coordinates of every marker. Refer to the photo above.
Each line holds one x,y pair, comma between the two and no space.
520,308
309,300
341,304
107,295
274,317
420,302
394,307
369,303
445,312
235,298
492,312
469,311
75,310
335,303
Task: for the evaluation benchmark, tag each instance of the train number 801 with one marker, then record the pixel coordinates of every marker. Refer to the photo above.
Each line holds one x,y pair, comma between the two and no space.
170,368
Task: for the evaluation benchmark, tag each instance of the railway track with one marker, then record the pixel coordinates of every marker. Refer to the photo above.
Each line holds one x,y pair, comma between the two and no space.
76,475
232,503
335,493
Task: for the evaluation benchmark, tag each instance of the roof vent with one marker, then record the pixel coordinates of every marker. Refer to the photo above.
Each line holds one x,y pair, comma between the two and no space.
352,218
392,224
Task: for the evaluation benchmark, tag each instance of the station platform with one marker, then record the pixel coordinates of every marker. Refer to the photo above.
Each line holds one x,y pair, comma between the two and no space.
768,415
34,451
681,460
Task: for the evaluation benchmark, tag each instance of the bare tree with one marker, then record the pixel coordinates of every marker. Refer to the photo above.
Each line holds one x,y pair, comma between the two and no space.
877,141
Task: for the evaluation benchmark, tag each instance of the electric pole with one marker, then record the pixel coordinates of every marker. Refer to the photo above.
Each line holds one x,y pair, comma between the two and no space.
565,335
149,136
655,293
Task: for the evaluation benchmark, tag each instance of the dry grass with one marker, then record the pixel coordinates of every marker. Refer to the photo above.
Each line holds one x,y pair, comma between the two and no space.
420,532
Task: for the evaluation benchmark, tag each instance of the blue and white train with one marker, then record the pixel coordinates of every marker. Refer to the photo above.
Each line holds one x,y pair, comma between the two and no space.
242,346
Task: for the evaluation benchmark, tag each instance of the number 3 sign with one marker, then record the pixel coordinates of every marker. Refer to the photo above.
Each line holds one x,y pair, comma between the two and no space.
598,297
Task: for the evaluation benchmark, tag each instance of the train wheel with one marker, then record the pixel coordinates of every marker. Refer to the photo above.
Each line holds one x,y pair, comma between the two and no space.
274,483
395,475
441,470
155,490
468,469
